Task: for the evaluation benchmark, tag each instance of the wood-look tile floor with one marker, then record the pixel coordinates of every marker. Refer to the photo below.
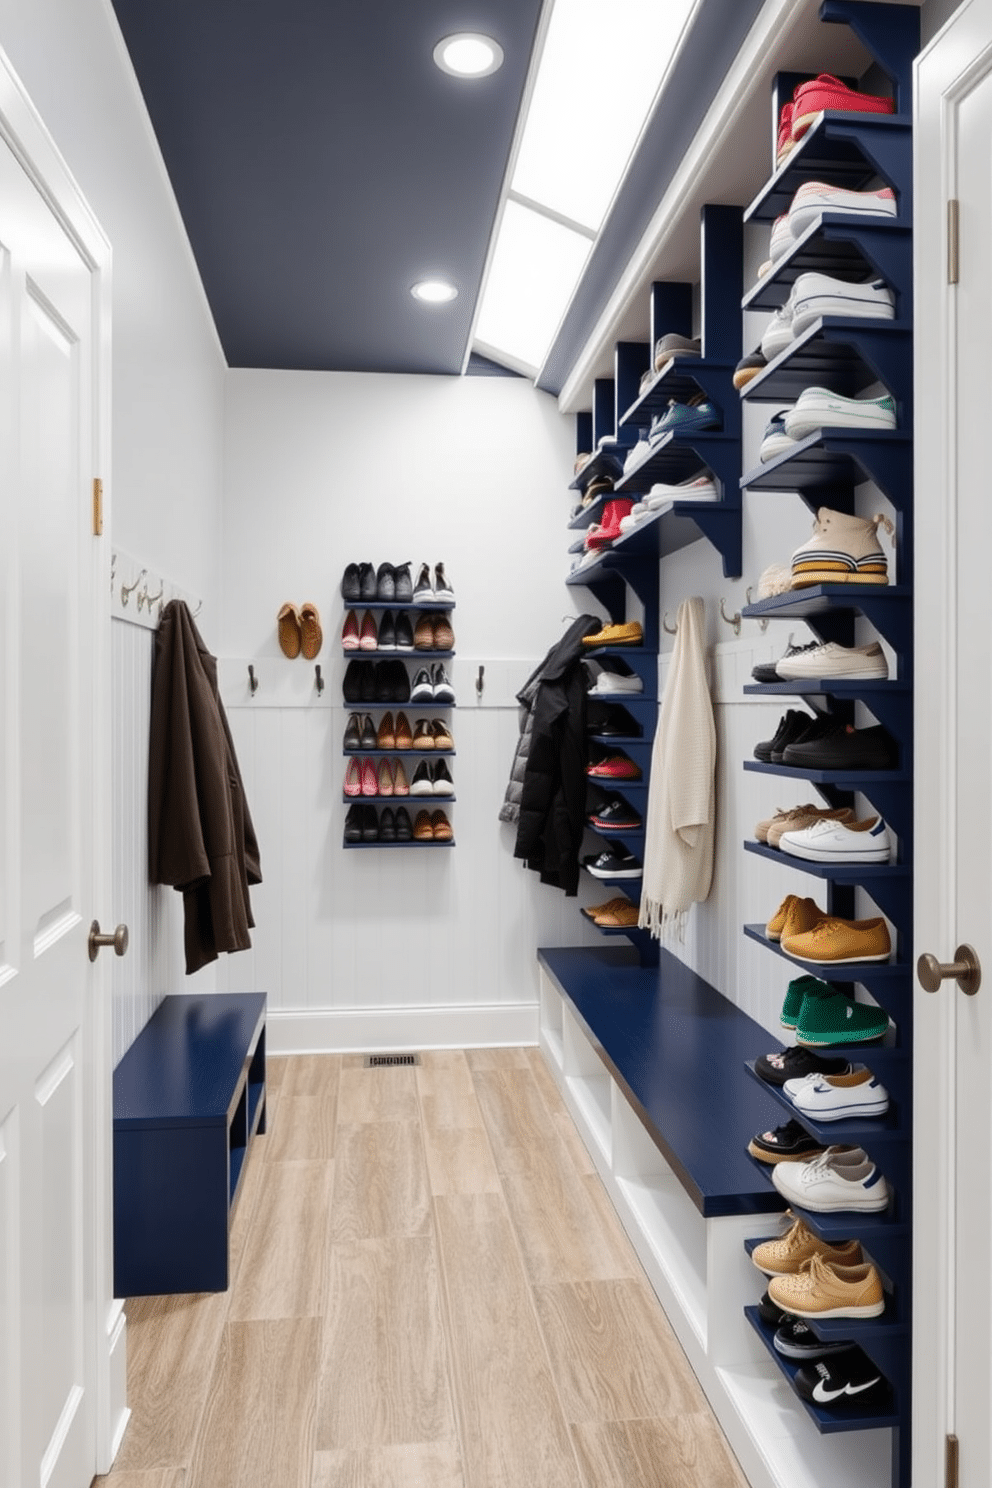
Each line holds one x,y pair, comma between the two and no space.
430,1290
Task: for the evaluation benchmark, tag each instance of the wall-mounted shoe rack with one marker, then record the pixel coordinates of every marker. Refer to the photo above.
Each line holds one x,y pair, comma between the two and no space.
376,697
600,1042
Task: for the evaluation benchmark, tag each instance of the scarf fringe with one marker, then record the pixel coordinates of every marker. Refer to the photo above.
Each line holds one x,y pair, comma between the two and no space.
661,923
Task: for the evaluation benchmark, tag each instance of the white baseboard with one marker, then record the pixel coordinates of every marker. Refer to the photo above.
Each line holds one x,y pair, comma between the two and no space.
361,1030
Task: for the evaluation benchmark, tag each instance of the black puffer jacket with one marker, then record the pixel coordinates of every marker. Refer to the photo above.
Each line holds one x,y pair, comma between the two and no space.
552,808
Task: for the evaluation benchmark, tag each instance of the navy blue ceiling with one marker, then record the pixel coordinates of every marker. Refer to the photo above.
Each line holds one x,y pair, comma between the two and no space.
322,164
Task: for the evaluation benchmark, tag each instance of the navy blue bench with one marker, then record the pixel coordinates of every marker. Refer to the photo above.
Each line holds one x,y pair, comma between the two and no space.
678,1050
189,1097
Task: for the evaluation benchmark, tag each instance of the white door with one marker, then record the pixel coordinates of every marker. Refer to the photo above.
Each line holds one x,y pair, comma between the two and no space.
953,1229
54,1118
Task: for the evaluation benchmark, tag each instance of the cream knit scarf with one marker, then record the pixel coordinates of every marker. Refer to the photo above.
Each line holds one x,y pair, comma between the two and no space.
678,854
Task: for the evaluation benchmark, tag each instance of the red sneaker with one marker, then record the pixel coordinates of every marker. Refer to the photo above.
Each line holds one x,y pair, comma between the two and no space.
785,141
826,92
609,529
617,767
369,637
349,631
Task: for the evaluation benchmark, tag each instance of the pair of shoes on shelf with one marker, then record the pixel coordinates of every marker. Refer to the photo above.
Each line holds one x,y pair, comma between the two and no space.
376,682
432,733
434,633
604,534
828,743
625,633
813,198
432,779
611,683
616,914
614,767
813,296
432,685
814,97
432,826
391,633
389,583
815,1011
366,824
810,934
616,816
438,592
613,862
299,631
839,1178
825,659
819,408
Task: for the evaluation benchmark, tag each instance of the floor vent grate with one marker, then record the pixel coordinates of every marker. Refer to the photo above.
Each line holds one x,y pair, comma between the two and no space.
390,1061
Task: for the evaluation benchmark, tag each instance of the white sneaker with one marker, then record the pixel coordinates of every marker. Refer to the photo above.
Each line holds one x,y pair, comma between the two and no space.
700,488
775,440
816,197
840,842
826,1185
608,683
782,238
839,1097
819,408
638,513
778,332
814,295
833,660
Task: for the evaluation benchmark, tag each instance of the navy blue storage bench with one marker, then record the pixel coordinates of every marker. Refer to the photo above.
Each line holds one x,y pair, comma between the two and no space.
189,1097
678,1050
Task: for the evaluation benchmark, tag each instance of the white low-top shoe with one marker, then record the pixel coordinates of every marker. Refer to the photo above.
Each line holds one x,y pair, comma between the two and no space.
839,1097
778,332
700,488
816,197
826,1185
782,237
814,295
819,408
608,683
840,842
833,660
638,513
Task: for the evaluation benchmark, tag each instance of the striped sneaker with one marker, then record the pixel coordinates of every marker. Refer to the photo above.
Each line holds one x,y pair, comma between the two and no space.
843,549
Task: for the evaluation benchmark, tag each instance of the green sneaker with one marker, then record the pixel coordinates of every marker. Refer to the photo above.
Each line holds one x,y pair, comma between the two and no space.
838,1020
802,987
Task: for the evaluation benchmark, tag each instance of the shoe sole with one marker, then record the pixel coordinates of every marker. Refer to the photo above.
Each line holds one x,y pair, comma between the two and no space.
868,1310
741,379
837,961
615,826
841,1037
814,418
614,872
776,445
765,1156
812,576
806,311
813,855
808,212
843,1113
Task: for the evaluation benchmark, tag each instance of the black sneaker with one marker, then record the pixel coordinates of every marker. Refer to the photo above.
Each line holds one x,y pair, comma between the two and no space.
385,582
423,589
795,1339
795,1064
350,587
387,632
443,691
366,581
353,824
616,816
790,726
404,826
369,739
353,732
768,671
613,863
404,631
816,727
788,1143
844,1379
370,824
423,688
387,825
844,747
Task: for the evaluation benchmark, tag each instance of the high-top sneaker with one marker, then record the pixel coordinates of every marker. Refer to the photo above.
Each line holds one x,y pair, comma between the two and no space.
843,549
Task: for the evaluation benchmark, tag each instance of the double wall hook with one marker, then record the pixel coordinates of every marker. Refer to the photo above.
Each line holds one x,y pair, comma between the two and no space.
252,680
734,620
128,589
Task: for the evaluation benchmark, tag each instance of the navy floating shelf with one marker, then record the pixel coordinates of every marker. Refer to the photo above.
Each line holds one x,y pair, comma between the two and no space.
865,972
846,779
427,605
682,379
854,873
350,846
830,687
675,457
590,513
845,354
846,150
841,246
408,756
832,458
840,1418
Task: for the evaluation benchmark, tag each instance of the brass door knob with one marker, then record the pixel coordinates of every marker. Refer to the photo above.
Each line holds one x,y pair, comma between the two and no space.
97,940
966,969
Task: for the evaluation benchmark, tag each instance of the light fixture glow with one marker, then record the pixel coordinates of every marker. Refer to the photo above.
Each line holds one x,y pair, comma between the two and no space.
434,291
467,54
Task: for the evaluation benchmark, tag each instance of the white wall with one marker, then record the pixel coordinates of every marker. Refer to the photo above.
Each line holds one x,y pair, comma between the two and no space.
168,370
358,949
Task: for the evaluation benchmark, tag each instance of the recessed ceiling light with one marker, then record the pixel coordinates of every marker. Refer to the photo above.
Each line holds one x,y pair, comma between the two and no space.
434,291
467,54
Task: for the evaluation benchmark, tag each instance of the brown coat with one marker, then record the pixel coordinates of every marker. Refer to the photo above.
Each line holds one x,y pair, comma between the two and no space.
200,834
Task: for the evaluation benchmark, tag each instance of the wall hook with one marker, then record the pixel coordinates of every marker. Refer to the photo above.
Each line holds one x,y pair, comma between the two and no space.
318,680
763,623
668,629
128,589
252,680
734,620
479,682
150,599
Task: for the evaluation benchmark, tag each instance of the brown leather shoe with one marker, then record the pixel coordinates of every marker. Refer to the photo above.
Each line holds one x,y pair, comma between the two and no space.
423,738
290,638
444,636
312,637
620,918
592,910
442,738
441,827
404,738
423,831
385,737
423,636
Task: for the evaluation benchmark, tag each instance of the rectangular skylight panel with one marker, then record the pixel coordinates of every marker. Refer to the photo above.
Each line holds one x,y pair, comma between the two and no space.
534,269
602,65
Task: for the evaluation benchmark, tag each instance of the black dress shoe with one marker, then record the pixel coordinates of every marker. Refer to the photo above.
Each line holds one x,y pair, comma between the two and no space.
382,691
366,581
351,686
350,588
404,632
369,738
845,748
387,825
366,681
353,824
370,824
404,826
352,732
387,632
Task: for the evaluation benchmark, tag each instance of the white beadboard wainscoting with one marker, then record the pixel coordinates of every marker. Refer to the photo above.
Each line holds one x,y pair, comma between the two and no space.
153,965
